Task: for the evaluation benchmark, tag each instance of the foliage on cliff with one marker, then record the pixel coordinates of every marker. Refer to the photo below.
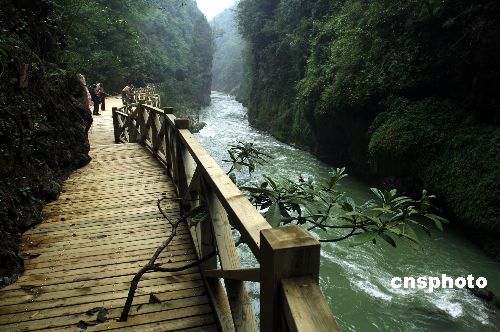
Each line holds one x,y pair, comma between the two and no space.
141,41
407,89
43,122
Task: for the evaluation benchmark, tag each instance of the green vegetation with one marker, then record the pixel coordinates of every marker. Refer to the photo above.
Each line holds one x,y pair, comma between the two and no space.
392,89
322,206
140,41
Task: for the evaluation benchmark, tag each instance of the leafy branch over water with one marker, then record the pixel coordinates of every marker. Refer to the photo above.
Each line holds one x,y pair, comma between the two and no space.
244,155
322,206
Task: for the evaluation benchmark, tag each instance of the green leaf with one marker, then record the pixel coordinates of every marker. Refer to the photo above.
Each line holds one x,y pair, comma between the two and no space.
393,193
351,202
377,193
387,239
273,215
363,238
438,221
271,182
409,233
232,177
426,230
394,230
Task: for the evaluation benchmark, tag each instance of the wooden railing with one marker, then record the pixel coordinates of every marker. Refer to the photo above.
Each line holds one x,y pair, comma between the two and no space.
145,97
289,257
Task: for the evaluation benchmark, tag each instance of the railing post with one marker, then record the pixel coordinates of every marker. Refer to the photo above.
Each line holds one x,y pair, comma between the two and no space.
155,140
141,122
285,252
179,153
167,139
132,129
116,124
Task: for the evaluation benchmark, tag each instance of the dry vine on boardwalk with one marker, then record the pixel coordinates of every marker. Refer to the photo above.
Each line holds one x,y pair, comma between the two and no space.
152,266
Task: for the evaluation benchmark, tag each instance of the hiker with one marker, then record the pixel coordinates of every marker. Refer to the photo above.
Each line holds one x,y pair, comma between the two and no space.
127,94
101,95
95,98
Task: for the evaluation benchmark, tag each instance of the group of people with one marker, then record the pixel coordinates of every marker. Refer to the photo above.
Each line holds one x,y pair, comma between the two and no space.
97,97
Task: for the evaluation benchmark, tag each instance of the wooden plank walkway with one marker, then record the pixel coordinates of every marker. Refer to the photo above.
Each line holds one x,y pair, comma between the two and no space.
103,228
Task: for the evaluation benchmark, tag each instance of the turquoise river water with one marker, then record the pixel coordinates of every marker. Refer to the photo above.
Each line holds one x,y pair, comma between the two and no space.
357,280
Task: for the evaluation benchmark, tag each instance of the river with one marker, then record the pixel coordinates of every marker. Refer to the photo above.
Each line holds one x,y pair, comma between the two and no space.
356,280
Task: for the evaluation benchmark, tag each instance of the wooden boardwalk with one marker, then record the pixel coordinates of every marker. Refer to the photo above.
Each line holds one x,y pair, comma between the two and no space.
103,228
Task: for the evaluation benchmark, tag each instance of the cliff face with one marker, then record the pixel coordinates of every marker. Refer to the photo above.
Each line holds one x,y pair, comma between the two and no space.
227,69
43,123
404,93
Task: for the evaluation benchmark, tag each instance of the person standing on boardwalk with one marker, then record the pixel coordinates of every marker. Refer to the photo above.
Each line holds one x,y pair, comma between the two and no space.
101,95
127,94
95,99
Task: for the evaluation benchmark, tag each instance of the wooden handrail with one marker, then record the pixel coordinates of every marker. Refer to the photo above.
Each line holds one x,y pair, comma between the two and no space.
304,306
285,254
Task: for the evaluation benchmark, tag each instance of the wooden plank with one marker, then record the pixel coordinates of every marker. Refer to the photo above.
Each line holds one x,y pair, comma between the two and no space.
146,193
247,219
127,122
155,133
82,239
168,147
143,170
21,309
286,252
182,179
181,307
305,308
220,304
215,291
116,245
98,272
140,299
197,321
238,274
109,257
116,282
116,124
84,295
160,316
204,328
95,225
239,301
189,166
91,231
70,218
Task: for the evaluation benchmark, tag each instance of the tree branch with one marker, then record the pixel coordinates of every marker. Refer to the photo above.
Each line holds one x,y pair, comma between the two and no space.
343,237
151,266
